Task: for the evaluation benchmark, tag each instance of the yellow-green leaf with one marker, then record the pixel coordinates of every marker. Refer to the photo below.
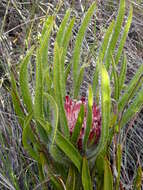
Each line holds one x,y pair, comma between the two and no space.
16,101
116,32
138,179
89,118
118,161
108,177
70,151
106,109
23,80
86,178
79,41
70,182
124,36
28,138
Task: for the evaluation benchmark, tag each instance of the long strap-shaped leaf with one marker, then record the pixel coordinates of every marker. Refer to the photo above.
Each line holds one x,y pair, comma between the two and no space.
62,39
108,177
134,84
95,81
124,36
138,179
101,55
66,40
78,125
123,73
116,81
78,43
70,151
56,115
16,101
133,108
57,89
55,180
89,118
115,34
61,31
86,178
48,80
118,161
67,71
46,26
23,80
79,81
44,41
28,137
70,182
38,101
105,108
106,41
45,124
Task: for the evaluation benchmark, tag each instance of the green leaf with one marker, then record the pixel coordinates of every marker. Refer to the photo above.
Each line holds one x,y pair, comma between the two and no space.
105,42
89,118
66,40
101,56
138,179
67,71
116,81
70,182
62,28
116,32
105,108
16,101
132,87
55,119
70,151
118,161
59,157
28,138
62,39
23,80
66,37
98,171
99,165
108,177
48,81
57,90
124,36
55,180
46,126
57,183
57,72
133,108
78,43
95,81
38,101
41,169
43,52
123,73
44,41
78,125
86,178
79,81
46,27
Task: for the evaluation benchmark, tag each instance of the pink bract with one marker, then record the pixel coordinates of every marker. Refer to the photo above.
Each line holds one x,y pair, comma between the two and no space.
72,108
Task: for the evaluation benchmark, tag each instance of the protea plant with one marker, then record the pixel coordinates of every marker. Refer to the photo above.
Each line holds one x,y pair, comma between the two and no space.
69,137
72,108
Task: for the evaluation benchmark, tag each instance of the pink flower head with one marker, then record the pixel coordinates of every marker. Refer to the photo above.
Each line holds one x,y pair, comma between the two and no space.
72,108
